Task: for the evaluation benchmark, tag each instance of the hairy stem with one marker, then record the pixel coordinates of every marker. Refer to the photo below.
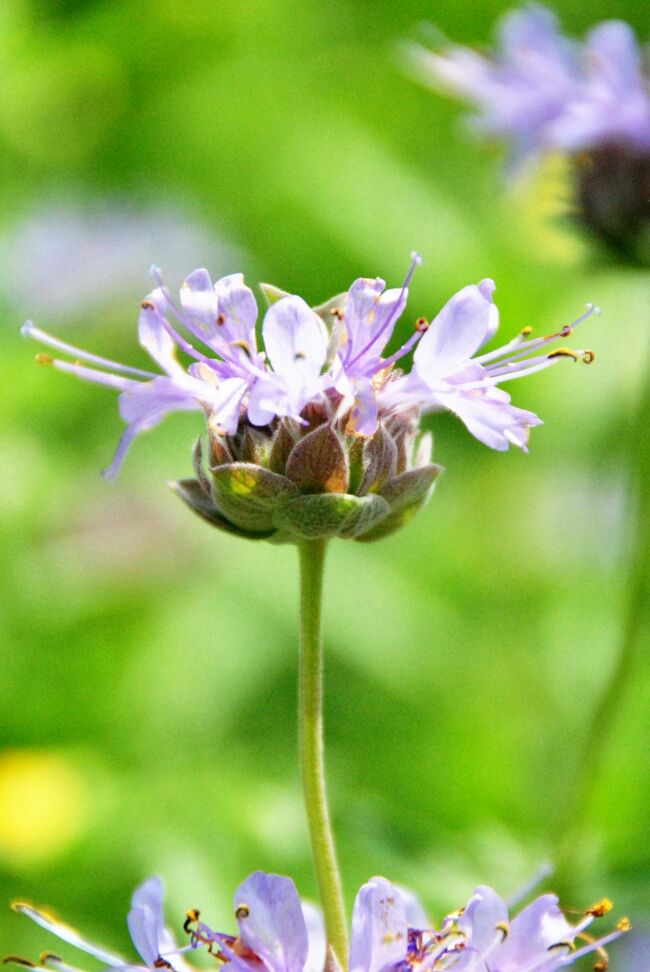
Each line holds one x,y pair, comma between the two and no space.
310,728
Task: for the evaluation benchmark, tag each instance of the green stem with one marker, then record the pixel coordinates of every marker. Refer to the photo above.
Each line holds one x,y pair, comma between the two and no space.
310,728
606,712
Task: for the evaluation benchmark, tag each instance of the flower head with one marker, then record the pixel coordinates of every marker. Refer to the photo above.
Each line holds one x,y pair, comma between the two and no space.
478,938
278,933
541,92
317,433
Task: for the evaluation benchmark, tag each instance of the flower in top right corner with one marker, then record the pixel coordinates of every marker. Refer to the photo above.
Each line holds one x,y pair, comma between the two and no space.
540,92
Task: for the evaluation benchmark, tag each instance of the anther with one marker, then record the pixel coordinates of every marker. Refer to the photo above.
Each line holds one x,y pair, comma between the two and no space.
46,957
600,908
623,925
588,357
148,305
191,916
17,960
244,345
220,320
421,325
566,330
525,331
564,353
299,356
504,928
565,944
601,966
242,911
337,313
44,359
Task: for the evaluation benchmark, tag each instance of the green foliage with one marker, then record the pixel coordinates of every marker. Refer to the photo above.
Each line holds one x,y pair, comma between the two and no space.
149,664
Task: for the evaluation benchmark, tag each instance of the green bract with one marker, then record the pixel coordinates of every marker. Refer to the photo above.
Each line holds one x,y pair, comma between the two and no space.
287,482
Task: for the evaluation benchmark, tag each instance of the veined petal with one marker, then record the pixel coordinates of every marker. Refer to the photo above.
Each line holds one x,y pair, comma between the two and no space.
271,922
484,920
364,418
490,419
237,304
145,920
295,339
155,338
532,932
67,934
463,325
379,931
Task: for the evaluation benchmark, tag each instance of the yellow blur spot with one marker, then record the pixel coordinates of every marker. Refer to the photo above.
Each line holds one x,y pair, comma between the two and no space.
42,806
544,202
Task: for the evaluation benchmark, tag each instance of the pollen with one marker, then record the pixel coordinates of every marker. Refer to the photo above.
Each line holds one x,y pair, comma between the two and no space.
600,908
387,939
44,359
623,925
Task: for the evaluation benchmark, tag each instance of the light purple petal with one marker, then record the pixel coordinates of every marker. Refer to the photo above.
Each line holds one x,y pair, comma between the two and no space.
271,922
364,416
315,936
532,932
295,340
379,930
145,919
465,322
238,306
481,918
155,339
491,419
144,405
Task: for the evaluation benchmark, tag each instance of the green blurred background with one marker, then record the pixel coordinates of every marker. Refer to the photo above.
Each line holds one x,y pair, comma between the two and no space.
149,664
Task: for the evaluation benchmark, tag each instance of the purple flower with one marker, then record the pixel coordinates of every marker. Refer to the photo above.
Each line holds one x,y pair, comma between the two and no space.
330,358
478,938
447,375
540,91
276,933
152,940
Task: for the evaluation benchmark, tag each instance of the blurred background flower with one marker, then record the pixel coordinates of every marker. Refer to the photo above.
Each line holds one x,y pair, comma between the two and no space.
153,660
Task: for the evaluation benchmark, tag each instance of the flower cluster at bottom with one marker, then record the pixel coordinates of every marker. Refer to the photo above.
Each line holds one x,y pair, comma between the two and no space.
278,933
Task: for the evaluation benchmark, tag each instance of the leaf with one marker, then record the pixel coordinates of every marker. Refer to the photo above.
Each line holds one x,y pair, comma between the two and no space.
247,494
271,293
410,487
330,515
318,463
191,493
407,494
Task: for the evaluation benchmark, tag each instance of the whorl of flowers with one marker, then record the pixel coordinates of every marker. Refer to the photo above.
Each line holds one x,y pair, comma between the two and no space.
278,933
317,433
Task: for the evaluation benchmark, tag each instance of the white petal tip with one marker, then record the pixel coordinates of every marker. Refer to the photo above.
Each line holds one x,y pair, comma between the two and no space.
416,258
